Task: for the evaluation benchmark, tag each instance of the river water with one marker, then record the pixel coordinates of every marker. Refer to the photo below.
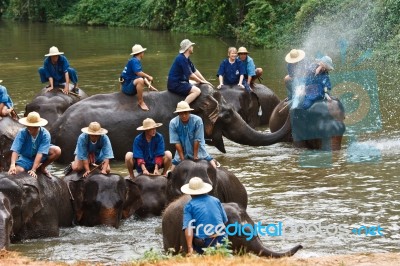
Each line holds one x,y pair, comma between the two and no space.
325,195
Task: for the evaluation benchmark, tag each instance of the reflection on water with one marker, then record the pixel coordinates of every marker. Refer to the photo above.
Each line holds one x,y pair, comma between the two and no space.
356,186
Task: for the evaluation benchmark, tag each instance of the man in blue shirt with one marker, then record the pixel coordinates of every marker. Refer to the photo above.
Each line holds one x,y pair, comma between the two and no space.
31,149
149,154
205,214
133,78
56,71
93,147
181,71
296,68
251,72
231,70
186,131
6,104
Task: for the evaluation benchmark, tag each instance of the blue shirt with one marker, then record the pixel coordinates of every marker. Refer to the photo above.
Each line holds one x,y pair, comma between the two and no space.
132,67
27,147
5,98
57,71
249,66
204,209
102,148
315,84
148,151
186,135
181,69
231,71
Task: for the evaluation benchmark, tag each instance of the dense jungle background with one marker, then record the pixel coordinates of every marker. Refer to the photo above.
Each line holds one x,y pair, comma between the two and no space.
371,24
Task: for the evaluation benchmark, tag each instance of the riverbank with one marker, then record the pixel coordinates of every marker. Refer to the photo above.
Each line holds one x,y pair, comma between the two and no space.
386,259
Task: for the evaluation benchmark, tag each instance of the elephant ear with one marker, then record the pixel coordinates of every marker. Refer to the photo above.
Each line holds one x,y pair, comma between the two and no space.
31,202
76,187
209,108
133,199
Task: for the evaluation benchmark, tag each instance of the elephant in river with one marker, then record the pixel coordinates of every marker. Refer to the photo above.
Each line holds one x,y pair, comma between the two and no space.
102,199
6,221
254,107
39,206
120,115
8,130
174,237
153,191
319,127
226,186
52,104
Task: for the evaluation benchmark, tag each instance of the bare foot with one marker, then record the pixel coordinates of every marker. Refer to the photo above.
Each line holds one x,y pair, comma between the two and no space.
45,171
151,88
143,106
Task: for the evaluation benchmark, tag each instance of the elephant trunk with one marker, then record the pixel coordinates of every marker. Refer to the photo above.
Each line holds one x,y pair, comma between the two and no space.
269,253
110,216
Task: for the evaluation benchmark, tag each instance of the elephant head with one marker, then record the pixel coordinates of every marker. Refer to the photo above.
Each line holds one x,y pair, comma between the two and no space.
120,115
173,235
226,186
8,130
6,221
153,191
52,104
102,199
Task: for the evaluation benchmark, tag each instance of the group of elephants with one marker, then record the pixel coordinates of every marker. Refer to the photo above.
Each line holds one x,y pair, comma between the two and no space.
32,208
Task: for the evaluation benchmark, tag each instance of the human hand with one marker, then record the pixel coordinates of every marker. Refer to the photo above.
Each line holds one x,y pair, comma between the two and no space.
146,172
66,90
219,86
190,251
87,172
156,172
12,170
50,88
32,173
240,85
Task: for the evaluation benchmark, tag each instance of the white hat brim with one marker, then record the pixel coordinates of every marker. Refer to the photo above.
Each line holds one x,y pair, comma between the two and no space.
102,131
146,128
291,60
140,51
41,123
54,54
204,190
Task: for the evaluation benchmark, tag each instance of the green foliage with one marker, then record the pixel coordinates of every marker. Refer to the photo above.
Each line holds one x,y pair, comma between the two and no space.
220,249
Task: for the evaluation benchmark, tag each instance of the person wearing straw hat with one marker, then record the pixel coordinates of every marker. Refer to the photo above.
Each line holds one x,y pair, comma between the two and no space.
31,149
93,147
296,68
317,82
251,72
205,213
149,154
57,72
186,132
6,104
133,79
183,70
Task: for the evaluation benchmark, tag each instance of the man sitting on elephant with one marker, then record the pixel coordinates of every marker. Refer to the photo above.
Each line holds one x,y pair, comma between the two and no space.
186,131
251,72
149,154
31,149
93,147
202,212
6,104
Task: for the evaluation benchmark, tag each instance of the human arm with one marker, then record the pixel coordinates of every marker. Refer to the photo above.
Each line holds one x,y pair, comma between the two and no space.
35,165
51,82
221,81
67,81
14,157
179,149
189,240
106,164
196,146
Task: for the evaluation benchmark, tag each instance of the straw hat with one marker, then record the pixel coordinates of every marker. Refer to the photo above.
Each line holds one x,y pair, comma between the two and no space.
53,51
326,61
185,44
196,186
1,80
242,50
33,120
94,128
183,107
149,123
294,56
137,49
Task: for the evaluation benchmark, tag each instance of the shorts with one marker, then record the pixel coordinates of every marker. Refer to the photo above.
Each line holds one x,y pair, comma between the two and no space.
27,163
128,88
181,88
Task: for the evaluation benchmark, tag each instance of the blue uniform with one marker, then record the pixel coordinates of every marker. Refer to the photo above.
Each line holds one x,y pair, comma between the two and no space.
249,67
315,85
205,210
101,149
179,74
148,151
57,71
129,75
186,135
231,71
5,98
28,147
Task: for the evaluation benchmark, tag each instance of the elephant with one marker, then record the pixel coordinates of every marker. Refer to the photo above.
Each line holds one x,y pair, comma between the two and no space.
52,104
153,191
102,199
120,115
39,206
174,237
254,107
6,221
226,186
319,127
8,130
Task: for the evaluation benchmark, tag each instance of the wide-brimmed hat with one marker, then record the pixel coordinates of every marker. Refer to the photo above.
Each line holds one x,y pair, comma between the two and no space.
185,44
183,106
137,49
326,61
53,51
149,123
33,120
94,128
196,186
294,56
242,50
